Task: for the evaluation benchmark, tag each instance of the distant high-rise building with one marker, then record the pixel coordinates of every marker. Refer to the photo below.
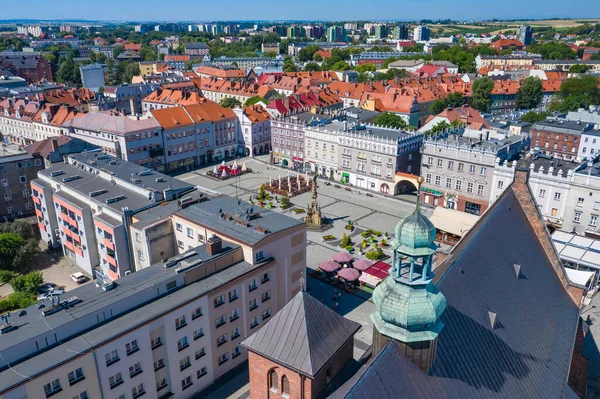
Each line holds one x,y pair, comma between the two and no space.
336,34
421,33
400,32
381,31
525,34
295,31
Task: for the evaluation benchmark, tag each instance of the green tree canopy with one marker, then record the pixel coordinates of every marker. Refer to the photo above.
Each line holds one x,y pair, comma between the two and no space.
289,65
530,93
482,93
388,119
365,68
580,91
341,66
307,53
230,102
9,248
312,67
253,100
533,117
578,68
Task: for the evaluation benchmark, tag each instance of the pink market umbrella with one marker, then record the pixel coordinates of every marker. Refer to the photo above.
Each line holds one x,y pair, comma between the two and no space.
349,274
342,257
329,266
362,264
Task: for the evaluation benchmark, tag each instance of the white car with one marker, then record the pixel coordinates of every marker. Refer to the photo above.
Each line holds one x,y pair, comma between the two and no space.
78,277
54,293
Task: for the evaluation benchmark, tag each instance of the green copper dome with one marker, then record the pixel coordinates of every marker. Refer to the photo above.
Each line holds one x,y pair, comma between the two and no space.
415,235
408,313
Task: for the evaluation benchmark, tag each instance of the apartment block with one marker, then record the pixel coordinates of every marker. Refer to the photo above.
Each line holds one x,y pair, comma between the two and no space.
255,125
168,330
87,205
16,173
561,137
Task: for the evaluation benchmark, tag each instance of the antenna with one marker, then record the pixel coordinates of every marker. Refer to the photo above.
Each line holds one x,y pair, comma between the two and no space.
302,282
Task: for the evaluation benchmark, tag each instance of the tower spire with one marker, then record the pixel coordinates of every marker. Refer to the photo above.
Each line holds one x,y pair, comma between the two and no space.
420,181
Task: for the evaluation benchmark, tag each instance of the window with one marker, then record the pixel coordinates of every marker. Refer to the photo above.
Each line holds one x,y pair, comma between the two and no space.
439,163
178,226
196,313
461,166
285,385
542,193
450,164
259,255
161,384
556,196
75,376
52,387
254,322
428,178
4,182
219,301
190,233
23,179
471,168
236,352
266,296
448,182
500,184
470,187
253,285
235,333
180,244
222,339
7,197
234,315
233,295
429,160
180,322
19,165
26,193
266,314
140,254
273,379
223,358
458,185
115,380
135,370
184,363
596,205
219,321
171,285
159,364
199,353
186,382
198,333
137,391
111,357
182,343
480,188
253,304
156,342
438,180
266,277
201,373
593,220
82,395
131,347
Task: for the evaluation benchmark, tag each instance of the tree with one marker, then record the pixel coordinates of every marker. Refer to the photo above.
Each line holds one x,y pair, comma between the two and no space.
341,66
317,57
307,53
131,70
578,68
388,119
438,105
189,65
68,72
230,102
533,117
289,65
346,241
365,68
9,248
117,50
530,93
312,67
580,91
28,283
482,90
253,100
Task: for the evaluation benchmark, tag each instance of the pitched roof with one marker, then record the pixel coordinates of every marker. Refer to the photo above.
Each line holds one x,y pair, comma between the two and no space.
465,114
505,43
109,123
527,354
303,335
208,111
174,117
257,113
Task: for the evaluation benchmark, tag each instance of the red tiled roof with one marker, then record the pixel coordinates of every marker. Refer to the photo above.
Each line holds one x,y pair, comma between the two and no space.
170,118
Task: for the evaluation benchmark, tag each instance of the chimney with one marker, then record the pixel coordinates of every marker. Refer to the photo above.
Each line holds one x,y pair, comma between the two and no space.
214,245
54,143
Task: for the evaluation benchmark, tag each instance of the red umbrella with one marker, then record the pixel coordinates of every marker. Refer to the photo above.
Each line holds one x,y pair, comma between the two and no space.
329,266
349,274
362,264
342,257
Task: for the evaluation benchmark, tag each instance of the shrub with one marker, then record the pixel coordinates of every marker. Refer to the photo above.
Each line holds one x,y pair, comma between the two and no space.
28,283
377,233
346,241
375,254
285,201
6,276
18,300
349,248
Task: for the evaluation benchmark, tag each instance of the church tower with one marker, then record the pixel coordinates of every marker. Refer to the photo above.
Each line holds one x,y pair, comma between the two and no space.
408,305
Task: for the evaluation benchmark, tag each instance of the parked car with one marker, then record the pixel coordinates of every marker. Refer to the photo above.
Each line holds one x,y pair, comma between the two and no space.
78,277
54,293
47,287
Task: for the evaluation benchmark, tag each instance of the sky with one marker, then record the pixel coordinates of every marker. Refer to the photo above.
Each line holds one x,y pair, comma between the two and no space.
325,10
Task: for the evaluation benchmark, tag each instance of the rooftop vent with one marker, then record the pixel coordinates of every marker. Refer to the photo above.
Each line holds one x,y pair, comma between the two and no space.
57,173
145,172
115,199
261,229
160,180
493,319
98,192
71,178
176,259
517,270
101,157
112,163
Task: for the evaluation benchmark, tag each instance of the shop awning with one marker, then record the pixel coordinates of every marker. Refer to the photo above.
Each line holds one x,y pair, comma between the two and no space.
580,277
453,222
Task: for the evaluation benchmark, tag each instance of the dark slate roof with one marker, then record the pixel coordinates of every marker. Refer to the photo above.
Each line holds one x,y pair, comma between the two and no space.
303,335
528,352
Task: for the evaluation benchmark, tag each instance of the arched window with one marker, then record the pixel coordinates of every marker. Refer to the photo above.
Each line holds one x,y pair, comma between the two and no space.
285,385
273,380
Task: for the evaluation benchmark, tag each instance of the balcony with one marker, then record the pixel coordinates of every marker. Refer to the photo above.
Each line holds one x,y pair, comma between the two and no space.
108,243
72,234
36,199
73,248
346,155
111,258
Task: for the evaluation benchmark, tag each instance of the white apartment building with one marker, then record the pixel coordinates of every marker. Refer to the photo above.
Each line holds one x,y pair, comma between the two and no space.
322,147
549,181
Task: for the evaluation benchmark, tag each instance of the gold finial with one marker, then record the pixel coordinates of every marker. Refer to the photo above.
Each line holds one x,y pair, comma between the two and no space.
420,180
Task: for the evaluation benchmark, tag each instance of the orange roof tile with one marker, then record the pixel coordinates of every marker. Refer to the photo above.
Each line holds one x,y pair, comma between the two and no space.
171,118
